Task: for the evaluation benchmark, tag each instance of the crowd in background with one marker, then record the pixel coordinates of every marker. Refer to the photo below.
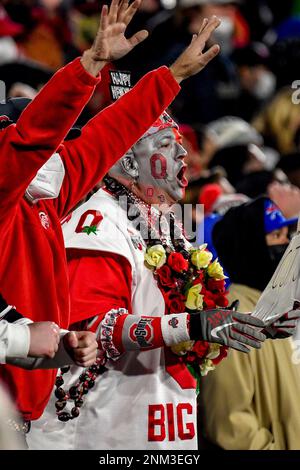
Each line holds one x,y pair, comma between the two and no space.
240,123
240,118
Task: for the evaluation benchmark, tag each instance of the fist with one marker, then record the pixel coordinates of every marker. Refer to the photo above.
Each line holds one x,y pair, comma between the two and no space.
44,339
82,347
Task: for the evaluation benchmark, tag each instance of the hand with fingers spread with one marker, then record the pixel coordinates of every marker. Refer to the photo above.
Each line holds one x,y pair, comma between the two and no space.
82,347
229,328
285,326
110,42
193,59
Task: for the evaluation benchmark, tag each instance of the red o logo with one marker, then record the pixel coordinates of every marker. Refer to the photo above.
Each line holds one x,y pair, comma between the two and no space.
158,166
142,333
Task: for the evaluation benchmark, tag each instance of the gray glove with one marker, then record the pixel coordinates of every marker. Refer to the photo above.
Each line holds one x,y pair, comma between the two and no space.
285,326
228,328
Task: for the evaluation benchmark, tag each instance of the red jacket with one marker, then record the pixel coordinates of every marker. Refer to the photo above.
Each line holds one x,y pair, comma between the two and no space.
33,271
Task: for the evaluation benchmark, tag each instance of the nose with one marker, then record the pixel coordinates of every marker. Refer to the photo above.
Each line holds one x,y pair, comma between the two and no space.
180,151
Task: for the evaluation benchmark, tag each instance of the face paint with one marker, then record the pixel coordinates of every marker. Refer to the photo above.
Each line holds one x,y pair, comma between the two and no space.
160,159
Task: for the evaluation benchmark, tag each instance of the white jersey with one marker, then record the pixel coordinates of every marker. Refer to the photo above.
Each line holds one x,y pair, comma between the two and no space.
145,400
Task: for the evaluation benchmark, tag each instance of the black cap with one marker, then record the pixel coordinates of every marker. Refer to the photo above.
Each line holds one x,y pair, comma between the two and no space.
12,109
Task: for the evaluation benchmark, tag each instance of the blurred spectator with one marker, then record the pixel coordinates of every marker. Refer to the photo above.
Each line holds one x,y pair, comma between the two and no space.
217,198
21,90
279,122
287,197
290,165
200,101
193,158
238,150
8,31
251,401
232,131
276,185
31,73
257,82
47,36
285,60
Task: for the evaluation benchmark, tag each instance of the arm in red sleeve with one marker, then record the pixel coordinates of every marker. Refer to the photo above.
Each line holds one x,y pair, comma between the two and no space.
27,145
108,136
100,288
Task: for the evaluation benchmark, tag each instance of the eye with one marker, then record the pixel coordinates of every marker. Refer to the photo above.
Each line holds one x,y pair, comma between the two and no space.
165,143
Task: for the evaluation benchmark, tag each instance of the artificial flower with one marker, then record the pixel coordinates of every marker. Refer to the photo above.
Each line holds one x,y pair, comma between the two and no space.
217,285
194,299
201,257
164,275
177,262
155,256
214,351
206,366
221,301
209,303
175,301
182,349
223,354
215,270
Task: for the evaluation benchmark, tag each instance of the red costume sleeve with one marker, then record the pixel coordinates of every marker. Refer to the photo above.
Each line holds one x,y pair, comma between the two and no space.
108,136
99,282
27,145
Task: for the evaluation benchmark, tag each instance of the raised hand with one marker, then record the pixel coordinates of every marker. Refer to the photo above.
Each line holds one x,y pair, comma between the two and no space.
123,13
44,339
193,59
110,42
229,328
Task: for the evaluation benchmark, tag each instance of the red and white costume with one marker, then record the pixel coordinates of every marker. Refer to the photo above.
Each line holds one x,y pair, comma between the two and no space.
33,269
146,399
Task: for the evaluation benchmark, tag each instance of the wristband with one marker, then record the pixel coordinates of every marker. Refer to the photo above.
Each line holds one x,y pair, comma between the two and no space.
175,328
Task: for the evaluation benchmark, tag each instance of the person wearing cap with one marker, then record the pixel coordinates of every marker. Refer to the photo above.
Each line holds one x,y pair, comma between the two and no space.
56,176
144,397
251,402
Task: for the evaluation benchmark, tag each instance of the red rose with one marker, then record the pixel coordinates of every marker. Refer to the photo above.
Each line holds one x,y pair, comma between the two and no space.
221,301
175,302
177,262
222,355
216,285
201,348
209,303
199,351
164,275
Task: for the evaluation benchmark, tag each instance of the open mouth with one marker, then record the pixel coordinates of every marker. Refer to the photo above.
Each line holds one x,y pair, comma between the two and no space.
183,182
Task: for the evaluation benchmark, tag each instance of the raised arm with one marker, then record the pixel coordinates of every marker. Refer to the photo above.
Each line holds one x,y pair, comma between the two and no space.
43,125
27,145
108,136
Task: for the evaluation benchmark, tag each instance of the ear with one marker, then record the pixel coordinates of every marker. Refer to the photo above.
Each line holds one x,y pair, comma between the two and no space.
130,165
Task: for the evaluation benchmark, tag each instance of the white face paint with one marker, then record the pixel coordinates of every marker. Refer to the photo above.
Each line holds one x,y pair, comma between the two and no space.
161,167
48,180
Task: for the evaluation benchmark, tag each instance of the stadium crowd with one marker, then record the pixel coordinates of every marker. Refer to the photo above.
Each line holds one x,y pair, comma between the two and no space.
240,125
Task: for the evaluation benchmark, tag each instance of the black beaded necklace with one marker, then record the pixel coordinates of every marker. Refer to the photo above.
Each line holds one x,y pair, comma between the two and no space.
76,393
